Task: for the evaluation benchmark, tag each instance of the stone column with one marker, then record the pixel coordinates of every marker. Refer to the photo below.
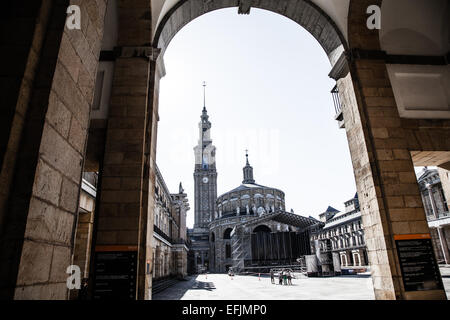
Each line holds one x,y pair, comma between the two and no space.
379,144
48,88
432,201
444,246
195,262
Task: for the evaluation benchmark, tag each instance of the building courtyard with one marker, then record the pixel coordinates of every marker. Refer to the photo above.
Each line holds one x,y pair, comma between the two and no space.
221,287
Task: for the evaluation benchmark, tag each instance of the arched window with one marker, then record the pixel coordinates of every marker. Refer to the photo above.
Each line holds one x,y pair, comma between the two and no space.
227,233
262,228
227,251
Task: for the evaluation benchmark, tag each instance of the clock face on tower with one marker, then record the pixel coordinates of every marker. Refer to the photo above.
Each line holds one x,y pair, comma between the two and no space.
205,180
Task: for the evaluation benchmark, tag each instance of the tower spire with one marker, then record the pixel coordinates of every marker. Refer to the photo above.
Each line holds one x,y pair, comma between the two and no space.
204,96
248,172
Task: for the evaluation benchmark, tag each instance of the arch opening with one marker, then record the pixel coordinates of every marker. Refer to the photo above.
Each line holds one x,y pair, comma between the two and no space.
305,13
262,228
227,234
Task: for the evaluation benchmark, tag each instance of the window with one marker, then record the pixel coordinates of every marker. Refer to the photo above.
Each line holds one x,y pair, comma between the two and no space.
227,234
98,90
227,251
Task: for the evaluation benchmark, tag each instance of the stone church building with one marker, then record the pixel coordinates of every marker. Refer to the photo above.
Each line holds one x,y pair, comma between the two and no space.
256,210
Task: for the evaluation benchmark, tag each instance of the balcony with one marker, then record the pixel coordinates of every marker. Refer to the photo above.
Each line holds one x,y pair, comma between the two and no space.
162,234
91,178
339,117
443,219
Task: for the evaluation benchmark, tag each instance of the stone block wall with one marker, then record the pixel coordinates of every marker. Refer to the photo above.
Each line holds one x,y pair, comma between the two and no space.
43,199
380,146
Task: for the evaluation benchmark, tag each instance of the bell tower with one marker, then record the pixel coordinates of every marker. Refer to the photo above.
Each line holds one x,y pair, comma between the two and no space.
205,174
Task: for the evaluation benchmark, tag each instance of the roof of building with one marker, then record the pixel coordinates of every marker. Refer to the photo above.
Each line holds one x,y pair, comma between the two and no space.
425,173
248,186
248,183
330,209
342,217
285,218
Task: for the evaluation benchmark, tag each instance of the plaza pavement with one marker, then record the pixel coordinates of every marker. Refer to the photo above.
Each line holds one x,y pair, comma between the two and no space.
221,287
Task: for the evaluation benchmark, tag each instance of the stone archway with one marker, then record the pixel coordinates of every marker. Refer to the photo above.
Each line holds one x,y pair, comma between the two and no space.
370,110
306,13
227,234
47,119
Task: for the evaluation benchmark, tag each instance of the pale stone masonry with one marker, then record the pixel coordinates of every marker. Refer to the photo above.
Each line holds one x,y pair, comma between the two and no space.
50,130
169,242
432,183
343,234
85,227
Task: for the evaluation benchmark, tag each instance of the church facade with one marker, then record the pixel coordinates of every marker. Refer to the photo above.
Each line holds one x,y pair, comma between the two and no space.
245,228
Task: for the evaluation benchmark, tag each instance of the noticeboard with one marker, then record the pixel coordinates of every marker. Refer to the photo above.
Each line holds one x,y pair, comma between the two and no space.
115,275
418,265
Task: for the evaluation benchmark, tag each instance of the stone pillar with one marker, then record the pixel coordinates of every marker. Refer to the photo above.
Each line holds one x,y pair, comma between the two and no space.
128,174
432,201
195,262
123,208
387,187
48,101
444,246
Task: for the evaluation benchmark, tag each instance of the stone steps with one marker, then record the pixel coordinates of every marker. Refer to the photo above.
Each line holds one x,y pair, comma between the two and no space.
162,285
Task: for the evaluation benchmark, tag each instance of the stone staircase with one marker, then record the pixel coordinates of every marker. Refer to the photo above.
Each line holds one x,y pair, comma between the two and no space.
161,285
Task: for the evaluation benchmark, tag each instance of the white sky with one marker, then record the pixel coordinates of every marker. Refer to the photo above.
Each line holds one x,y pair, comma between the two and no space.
268,91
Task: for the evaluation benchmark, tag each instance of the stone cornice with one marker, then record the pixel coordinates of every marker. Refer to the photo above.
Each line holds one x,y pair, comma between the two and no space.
340,68
357,54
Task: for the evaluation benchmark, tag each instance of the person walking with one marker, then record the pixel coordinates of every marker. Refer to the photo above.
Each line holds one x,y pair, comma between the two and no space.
285,277
272,276
280,277
289,277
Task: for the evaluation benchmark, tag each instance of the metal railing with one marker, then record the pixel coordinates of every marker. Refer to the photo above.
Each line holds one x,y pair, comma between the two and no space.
162,234
441,215
336,100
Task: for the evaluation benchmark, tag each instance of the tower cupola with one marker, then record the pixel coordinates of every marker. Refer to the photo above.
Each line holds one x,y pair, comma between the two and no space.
248,172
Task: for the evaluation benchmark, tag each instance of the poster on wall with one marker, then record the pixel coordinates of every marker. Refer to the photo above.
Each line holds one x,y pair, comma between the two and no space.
418,265
115,273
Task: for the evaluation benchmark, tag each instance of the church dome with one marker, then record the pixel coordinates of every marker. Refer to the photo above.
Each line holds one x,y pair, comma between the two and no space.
249,198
